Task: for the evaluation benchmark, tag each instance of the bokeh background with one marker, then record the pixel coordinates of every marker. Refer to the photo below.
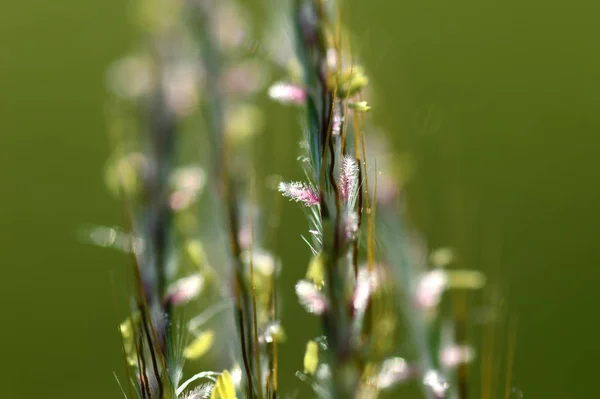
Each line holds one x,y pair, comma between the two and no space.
498,103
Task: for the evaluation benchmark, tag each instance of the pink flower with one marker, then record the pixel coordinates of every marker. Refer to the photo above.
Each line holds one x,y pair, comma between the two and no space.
299,192
185,289
287,93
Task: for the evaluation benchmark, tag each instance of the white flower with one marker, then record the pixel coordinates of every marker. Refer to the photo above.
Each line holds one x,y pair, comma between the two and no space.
436,383
287,93
311,298
453,355
430,287
392,372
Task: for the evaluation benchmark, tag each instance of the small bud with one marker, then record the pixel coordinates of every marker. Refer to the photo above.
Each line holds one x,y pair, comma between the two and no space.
360,106
315,272
350,81
311,358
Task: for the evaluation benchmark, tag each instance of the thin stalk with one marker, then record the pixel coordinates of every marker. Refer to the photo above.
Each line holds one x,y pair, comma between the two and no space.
127,371
157,375
225,187
142,304
253,287
370,257
311,22
142,367
360,194
241,291
272,349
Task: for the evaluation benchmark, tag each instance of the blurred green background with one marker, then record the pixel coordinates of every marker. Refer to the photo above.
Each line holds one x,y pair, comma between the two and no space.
497,101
